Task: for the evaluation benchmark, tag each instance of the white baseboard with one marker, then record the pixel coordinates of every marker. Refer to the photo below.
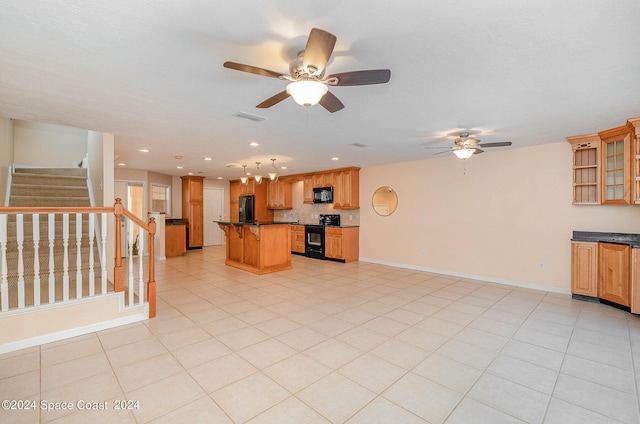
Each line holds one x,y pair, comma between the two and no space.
61,335
473,277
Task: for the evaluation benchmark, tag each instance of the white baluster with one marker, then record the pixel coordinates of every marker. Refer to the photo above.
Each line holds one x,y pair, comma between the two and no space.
65,259
141,268
78,256
4,281
92,277
36,259
52,266
130,260
20,240
103,262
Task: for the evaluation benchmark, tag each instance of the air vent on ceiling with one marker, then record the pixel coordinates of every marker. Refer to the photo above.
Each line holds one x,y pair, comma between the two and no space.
359,145
249,116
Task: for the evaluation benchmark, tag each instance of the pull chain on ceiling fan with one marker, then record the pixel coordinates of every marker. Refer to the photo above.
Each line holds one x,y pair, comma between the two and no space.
308,85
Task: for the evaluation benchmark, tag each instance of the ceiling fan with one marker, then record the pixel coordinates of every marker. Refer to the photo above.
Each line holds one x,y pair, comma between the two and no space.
308,85
467,146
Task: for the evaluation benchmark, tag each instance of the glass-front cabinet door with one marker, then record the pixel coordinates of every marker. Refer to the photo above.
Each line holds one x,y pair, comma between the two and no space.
616,166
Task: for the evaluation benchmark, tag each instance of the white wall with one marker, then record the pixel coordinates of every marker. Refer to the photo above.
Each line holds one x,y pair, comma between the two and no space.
38,144
6,156
95,156
508,213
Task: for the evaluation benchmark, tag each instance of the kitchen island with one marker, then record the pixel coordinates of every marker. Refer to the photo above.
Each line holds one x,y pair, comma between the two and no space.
258,247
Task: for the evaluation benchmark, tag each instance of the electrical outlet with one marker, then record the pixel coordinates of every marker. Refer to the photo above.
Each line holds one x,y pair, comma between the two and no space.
424,252
541,266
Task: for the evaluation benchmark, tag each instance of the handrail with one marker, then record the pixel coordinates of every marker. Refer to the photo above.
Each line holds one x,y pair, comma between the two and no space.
134,218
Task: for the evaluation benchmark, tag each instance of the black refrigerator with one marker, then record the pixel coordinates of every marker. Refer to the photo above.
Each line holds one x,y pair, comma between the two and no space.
245,209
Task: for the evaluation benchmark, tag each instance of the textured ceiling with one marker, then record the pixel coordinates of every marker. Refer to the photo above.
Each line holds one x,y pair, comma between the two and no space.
151,73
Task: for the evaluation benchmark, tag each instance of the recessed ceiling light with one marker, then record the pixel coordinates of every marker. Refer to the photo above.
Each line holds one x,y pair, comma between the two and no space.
335,158
208,158
283,167
219,178
144,150
189,173
254,144
178,157
179,167
121,164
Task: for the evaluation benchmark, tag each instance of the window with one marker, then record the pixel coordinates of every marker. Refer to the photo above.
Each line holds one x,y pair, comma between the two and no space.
160,199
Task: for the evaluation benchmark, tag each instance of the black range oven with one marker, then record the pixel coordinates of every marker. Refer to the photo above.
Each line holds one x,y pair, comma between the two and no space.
314,235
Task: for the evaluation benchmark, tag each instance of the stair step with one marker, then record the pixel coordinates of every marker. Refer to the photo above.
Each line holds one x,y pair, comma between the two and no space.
48,180
79,172
49,201
39,190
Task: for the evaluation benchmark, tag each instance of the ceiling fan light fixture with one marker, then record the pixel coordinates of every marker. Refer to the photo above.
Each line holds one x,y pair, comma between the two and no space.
307,92
463,153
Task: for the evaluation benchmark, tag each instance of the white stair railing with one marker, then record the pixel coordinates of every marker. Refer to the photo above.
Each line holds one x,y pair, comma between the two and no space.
22,261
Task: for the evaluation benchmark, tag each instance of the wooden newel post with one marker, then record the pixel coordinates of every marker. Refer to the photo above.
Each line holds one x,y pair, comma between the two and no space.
118,271
151,285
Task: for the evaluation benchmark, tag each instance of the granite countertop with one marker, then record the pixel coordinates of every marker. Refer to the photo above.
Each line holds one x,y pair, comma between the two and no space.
632,240
175,221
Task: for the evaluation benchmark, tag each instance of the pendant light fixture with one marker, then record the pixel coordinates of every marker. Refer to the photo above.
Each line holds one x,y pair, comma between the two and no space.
273,176
258,177
244,179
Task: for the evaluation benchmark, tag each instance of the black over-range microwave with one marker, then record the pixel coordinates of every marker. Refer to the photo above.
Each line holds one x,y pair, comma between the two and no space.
323,195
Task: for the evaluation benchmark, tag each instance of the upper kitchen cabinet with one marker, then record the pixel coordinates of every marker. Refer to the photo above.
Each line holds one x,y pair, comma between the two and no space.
345,183
192,210
346,189
279,194
606,166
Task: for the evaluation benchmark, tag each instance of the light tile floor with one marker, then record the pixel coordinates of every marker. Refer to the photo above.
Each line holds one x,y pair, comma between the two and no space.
334,343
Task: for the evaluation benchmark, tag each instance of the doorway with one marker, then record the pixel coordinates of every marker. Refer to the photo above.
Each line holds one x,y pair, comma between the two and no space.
132,195
213,211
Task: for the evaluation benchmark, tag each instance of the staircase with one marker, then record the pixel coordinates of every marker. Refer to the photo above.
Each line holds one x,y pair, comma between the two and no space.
53,187
53,275
49,187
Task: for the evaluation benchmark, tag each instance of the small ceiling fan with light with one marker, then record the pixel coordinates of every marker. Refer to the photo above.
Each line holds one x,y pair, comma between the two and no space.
308,85
467,146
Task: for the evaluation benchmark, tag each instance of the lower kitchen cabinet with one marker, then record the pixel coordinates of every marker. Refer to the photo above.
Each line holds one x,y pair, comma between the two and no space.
342,243
297,238
614,263
607,271
584,268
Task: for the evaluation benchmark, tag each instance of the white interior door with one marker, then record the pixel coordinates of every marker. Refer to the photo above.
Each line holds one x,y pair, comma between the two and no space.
213,211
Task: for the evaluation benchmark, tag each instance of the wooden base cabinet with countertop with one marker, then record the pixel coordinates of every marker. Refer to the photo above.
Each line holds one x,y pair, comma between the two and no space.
342,243
175,240
607,270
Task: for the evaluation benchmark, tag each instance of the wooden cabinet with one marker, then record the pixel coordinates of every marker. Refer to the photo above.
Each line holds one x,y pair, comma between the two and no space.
279,195
346,187
584,268
586,169
614,263
608,271
297,238
345,183
606,166
175,240
342,243
192,209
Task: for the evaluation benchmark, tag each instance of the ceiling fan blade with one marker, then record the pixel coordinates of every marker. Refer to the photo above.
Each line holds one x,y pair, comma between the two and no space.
373,76
274,100
478,151
331,102
499,144
318,51
439,153
251,69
